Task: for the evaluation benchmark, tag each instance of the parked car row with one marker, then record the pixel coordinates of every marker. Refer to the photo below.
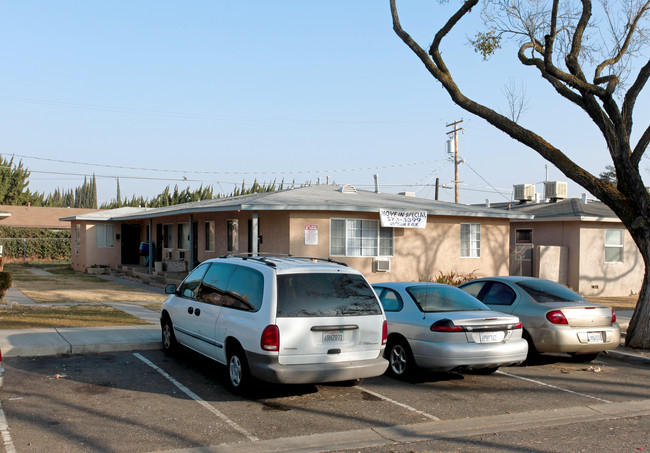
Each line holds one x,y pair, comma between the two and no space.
310,320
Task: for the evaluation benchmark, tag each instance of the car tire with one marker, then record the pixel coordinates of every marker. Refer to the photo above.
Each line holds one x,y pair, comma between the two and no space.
583,358
401,364
533,353
239,377
169,343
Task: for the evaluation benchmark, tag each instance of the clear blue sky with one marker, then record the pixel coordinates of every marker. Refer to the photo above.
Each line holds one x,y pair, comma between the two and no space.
218,92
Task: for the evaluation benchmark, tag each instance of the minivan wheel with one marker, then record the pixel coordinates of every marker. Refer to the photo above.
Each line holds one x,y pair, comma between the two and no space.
168,338
238,374
401,364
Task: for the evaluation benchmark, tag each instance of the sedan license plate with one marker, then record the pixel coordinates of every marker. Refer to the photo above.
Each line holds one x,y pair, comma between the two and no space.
333,336
594,337
492,337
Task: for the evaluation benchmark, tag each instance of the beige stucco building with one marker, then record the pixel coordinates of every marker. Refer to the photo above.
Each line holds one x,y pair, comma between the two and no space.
385,236
579,243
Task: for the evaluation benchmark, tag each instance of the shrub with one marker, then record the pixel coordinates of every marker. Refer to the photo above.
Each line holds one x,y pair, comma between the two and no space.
6,280
450,278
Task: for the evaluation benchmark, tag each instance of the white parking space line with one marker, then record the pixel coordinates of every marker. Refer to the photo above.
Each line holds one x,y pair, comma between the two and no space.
198,399
552,386
4,432
412,409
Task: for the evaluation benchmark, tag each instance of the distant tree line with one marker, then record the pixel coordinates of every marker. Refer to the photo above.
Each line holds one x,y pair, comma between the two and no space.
14,191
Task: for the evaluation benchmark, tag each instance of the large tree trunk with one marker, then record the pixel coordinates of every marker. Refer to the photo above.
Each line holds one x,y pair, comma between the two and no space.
639,329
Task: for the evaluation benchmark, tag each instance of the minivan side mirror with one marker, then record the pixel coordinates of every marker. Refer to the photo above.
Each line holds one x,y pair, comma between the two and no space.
170,289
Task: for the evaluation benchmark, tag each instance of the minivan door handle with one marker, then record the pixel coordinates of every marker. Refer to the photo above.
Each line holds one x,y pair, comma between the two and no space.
327,328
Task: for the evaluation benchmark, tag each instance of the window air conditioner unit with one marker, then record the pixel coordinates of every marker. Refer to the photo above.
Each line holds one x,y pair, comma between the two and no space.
381,265
168,255
180,254
524,192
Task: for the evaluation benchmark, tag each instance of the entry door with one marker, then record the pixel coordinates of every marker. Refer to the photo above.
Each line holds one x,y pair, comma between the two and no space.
523,259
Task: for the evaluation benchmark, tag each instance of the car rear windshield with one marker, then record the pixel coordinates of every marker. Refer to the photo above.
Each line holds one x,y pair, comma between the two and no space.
545,291
325,294
432,299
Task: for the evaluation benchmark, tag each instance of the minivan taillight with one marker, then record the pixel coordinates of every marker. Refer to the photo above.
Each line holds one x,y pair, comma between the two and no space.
556,317
613,315
384,333
270,340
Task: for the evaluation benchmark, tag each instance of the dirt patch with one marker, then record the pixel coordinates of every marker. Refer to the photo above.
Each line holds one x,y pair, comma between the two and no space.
617,303
80,288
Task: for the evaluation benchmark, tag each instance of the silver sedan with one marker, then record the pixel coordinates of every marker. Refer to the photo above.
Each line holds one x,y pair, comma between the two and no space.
441,328
555,318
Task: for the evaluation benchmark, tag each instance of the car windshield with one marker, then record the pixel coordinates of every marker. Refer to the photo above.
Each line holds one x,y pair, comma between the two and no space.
545,291
432,299
325,294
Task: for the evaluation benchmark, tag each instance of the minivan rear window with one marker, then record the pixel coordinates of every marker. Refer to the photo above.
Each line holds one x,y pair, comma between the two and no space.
325,294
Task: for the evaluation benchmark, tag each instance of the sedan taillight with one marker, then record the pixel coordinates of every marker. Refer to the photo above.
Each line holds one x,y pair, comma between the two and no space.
270,340
445,325
613,315
518,326
556,317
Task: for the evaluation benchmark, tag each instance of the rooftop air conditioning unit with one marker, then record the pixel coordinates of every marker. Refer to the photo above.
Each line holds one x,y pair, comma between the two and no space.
381,265
556,190
524,192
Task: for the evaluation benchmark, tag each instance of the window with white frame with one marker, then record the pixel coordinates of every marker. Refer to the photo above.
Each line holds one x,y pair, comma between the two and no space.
360,237
209,236
470,240
183,236
105,236
613,246
77,235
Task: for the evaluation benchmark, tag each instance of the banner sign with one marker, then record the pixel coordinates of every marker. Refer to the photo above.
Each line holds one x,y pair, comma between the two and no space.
403,219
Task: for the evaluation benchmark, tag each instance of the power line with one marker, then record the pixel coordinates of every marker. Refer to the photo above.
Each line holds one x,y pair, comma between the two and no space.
203,172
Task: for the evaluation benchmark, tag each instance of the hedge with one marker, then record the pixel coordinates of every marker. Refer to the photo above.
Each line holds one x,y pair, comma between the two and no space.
35,243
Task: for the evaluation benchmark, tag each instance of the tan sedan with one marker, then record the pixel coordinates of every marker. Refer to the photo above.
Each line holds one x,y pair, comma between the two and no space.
555,319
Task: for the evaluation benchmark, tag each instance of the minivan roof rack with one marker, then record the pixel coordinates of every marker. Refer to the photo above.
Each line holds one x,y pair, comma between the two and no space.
267,258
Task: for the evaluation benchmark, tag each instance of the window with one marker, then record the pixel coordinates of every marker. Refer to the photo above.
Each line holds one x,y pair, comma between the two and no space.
470,240
190,285
215,282
233,236
168,236
325,295
183,236
358,237
390,300
524,236
77,235
209,236
245,289
498,294
613,246
104,236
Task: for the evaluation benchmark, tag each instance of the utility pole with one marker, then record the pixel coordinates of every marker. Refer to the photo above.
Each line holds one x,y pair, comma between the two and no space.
455,134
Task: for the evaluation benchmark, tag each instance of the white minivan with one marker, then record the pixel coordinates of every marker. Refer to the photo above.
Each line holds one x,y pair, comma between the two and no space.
278,319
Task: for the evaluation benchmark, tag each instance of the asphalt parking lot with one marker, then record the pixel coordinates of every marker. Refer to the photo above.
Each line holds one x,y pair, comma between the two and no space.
148,402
